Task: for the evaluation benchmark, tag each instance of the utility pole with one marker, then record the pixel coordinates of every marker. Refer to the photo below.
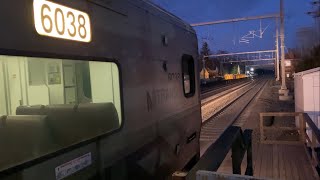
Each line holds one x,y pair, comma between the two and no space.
277,51
283,73
283,90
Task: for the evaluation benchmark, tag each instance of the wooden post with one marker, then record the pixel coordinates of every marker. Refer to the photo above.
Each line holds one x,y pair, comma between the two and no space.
237,152
248,136
261,129
302,128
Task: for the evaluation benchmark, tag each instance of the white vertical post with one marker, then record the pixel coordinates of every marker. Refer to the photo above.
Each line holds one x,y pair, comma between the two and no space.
283,73
277,51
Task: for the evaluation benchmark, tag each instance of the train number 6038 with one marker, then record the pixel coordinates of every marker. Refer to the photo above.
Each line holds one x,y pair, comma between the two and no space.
58,21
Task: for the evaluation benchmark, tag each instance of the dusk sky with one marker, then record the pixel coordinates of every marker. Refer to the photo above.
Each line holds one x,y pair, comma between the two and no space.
228,36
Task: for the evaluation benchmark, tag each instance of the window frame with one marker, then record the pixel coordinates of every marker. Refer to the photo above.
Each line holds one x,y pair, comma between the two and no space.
190,61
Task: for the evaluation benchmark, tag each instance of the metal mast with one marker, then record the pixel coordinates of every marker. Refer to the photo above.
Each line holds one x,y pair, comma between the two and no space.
283,73
277,51
283,90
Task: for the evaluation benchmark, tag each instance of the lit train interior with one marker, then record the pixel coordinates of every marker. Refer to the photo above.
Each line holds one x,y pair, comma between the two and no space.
53,103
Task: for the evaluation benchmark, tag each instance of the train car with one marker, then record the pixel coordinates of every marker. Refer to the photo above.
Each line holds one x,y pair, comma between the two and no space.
241,76
228,76
96,89
234,76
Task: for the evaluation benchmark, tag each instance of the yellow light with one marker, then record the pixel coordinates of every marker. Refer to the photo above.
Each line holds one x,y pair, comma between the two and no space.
59,21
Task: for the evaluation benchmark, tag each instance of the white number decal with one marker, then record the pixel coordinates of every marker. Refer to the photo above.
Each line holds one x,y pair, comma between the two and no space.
58,21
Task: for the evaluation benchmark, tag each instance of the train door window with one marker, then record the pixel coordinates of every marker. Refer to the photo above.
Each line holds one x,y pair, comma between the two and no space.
188,75
73,100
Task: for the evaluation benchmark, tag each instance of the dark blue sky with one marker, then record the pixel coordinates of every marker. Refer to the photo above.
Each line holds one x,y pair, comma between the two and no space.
227,36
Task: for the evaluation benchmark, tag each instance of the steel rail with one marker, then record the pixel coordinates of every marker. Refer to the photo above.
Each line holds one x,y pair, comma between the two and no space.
215,126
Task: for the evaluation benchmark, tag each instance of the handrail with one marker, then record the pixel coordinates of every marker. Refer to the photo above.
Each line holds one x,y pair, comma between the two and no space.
232,138
304,138
313,127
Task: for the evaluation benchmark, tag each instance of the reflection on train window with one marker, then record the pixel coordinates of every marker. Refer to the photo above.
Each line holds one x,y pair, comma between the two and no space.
188,75
54,103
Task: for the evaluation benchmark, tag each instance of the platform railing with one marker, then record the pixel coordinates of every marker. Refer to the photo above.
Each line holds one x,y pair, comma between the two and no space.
232,139
303,136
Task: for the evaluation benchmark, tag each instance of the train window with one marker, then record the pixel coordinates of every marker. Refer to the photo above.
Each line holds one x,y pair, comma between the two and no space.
188,75
30,81
54,103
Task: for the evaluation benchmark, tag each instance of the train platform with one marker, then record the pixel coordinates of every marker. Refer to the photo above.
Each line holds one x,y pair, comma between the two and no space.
277,153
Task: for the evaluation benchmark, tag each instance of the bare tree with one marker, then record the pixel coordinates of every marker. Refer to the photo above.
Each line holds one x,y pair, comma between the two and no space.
309,61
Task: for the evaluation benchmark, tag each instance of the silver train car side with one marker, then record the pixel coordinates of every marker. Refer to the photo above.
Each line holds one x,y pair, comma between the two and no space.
96,89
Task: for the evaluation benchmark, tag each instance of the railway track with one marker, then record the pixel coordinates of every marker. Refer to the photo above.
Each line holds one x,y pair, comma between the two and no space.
216,103
216,96
221,119
207,92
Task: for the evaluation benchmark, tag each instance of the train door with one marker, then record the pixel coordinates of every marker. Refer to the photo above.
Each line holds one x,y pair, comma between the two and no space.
3,90
24,81
70,87
11,84
14,84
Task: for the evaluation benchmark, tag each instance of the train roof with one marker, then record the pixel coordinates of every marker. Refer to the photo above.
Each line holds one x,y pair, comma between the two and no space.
164,14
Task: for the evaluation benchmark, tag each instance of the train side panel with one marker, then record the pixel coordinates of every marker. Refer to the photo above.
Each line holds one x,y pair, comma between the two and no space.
160,122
